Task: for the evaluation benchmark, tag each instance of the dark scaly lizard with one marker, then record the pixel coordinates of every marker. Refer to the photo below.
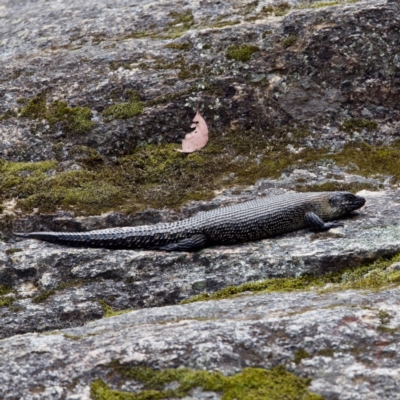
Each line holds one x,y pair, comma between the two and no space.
243,222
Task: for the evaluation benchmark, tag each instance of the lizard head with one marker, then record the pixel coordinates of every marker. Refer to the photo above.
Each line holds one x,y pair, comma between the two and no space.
345,202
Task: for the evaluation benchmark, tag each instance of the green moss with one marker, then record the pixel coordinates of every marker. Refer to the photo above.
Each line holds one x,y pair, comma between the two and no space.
109,312
6,223
125,110
248,8
9,252
321,4
16,309
300,354
369,160
185,46
220,24
289,41
43,296
241,53
72,337
6,301
353,125
158,176
184,74
328,352
8,114
35,108
176,63
5,290
76,120
384,317
70,284
278,10
250,384
116,65
181,23
87,155
281,9
186,70
138,35
385,329
369,277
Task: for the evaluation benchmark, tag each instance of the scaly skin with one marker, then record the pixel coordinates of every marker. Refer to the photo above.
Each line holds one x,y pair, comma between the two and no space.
252,220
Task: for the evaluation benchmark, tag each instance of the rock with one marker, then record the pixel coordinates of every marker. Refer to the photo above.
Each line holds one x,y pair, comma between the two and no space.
345,351
71,283
87,85
316,65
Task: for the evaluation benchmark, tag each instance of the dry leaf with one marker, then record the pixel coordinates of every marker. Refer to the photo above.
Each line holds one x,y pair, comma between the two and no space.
197,139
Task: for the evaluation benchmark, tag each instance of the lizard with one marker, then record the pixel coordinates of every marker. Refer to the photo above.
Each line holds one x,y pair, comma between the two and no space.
251,220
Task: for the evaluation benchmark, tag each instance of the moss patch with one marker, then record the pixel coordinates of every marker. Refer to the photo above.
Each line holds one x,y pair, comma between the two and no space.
281,9
138,35
321,4
219,22
384,317
8,114
125,110
4,290
109,312
185,46
328,352
289,41
250,384
76,120
186,70
369,277
158,176
9,252
353,125
4,299
370,160
278,10
181,22
241,53
43,296
35,107
300,354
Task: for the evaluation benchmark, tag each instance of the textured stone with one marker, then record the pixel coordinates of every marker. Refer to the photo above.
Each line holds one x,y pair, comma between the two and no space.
315,66
341,63
350,355
132,279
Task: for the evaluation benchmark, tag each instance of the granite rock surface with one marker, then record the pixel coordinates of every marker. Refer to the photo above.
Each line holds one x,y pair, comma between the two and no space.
76,282
112,77
346,349
321,66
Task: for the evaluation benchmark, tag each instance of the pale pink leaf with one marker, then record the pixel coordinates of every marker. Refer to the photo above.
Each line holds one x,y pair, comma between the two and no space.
197,139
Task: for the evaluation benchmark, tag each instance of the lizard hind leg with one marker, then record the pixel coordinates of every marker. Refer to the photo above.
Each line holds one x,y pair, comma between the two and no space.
192,243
